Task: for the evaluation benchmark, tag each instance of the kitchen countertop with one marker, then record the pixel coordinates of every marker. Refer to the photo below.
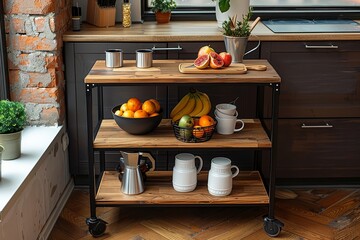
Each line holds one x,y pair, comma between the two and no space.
176,31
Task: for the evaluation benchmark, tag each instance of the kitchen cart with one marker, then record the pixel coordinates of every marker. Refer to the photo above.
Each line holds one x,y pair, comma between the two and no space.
105,135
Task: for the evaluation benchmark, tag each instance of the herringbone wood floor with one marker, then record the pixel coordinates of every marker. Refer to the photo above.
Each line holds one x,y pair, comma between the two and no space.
324,213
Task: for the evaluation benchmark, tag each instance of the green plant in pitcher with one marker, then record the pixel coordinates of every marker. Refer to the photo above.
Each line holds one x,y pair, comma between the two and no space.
12,116
224,5
234,28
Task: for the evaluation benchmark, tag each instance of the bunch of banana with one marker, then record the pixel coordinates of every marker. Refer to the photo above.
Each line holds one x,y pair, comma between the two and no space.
194,103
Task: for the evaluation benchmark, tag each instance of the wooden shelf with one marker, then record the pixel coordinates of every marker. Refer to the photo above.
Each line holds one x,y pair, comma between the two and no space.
167,72
248,188
111,136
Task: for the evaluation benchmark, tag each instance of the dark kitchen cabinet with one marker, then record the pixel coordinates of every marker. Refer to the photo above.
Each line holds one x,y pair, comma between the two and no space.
319,109
80,57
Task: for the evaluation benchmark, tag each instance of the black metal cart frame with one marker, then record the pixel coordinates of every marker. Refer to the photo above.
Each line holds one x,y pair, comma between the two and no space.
97,226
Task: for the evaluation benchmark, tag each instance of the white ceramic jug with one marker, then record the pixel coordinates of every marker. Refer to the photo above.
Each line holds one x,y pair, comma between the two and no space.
220,176
185,172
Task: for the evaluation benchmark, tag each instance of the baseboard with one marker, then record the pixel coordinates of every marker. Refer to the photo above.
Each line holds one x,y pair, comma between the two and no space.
50,223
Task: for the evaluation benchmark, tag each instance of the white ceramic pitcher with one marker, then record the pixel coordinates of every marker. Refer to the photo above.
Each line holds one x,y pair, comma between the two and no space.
185,172
220,176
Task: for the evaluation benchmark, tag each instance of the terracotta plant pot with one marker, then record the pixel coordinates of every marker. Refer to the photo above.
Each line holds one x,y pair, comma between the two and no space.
162,17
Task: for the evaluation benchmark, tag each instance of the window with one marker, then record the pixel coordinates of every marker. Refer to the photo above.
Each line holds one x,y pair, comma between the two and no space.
266,9
191,3
187,10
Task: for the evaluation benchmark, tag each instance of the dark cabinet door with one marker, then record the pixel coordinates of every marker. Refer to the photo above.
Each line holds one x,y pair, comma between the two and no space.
319,148
189,50
320,84
79,58
319,79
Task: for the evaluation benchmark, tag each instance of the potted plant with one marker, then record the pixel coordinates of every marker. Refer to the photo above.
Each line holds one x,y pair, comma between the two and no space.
236,34
162,9
228,8
12,122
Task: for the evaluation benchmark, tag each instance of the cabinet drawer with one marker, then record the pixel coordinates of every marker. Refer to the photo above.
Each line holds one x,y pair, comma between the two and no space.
322,148
317,82
190,49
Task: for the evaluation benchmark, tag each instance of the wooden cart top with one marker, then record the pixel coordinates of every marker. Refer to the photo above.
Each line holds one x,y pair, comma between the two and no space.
167,72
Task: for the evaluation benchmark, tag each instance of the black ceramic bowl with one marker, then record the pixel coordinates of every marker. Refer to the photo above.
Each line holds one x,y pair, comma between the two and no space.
136,126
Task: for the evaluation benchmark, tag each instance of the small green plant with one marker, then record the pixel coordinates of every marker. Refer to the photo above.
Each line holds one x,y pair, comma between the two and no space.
163,5
12,116
234,28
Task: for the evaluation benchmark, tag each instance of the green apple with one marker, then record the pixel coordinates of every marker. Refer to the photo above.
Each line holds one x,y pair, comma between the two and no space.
186,122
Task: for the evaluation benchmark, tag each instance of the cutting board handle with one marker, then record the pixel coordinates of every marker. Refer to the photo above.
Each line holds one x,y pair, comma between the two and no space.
256,67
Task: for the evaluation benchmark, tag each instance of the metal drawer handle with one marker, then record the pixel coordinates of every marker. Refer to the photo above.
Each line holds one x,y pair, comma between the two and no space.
178,48
321,46
326,125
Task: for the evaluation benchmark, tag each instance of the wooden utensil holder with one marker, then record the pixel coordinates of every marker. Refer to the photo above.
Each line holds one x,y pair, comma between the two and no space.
100,16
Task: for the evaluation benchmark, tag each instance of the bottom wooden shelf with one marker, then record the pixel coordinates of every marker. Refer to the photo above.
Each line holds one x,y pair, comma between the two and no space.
248,188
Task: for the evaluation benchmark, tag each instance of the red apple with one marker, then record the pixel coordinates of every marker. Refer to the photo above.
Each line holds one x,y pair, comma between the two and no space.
205,50
226,58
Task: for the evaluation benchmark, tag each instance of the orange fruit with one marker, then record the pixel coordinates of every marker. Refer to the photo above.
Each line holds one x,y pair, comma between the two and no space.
206,120
141,114
124,107
119,113
133,104
128,114
198,131
157,104
149,107
154,114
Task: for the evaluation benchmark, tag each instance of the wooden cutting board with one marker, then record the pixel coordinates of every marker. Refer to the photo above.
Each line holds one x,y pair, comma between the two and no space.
234,68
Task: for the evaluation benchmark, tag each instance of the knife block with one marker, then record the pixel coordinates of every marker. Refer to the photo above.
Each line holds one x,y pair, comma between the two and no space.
100,16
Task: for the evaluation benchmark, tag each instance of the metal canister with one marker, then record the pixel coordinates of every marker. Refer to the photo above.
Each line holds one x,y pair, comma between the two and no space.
144,58
114,58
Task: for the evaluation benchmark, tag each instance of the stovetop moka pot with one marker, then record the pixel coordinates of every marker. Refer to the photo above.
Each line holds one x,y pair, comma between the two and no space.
133,167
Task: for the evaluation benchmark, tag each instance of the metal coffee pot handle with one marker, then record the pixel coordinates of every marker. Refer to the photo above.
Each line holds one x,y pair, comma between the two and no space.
145,165
152,160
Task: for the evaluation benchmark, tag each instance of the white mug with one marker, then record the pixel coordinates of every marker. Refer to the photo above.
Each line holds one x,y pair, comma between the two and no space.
226,108
219,114
184,177
220,176
227,126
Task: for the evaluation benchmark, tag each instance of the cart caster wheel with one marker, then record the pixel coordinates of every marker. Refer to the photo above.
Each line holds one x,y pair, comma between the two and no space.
272,227
97,226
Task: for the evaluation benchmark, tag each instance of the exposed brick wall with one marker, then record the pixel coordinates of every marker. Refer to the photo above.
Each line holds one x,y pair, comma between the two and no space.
34,44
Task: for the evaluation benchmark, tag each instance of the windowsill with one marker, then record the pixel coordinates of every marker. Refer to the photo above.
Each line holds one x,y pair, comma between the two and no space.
15,173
